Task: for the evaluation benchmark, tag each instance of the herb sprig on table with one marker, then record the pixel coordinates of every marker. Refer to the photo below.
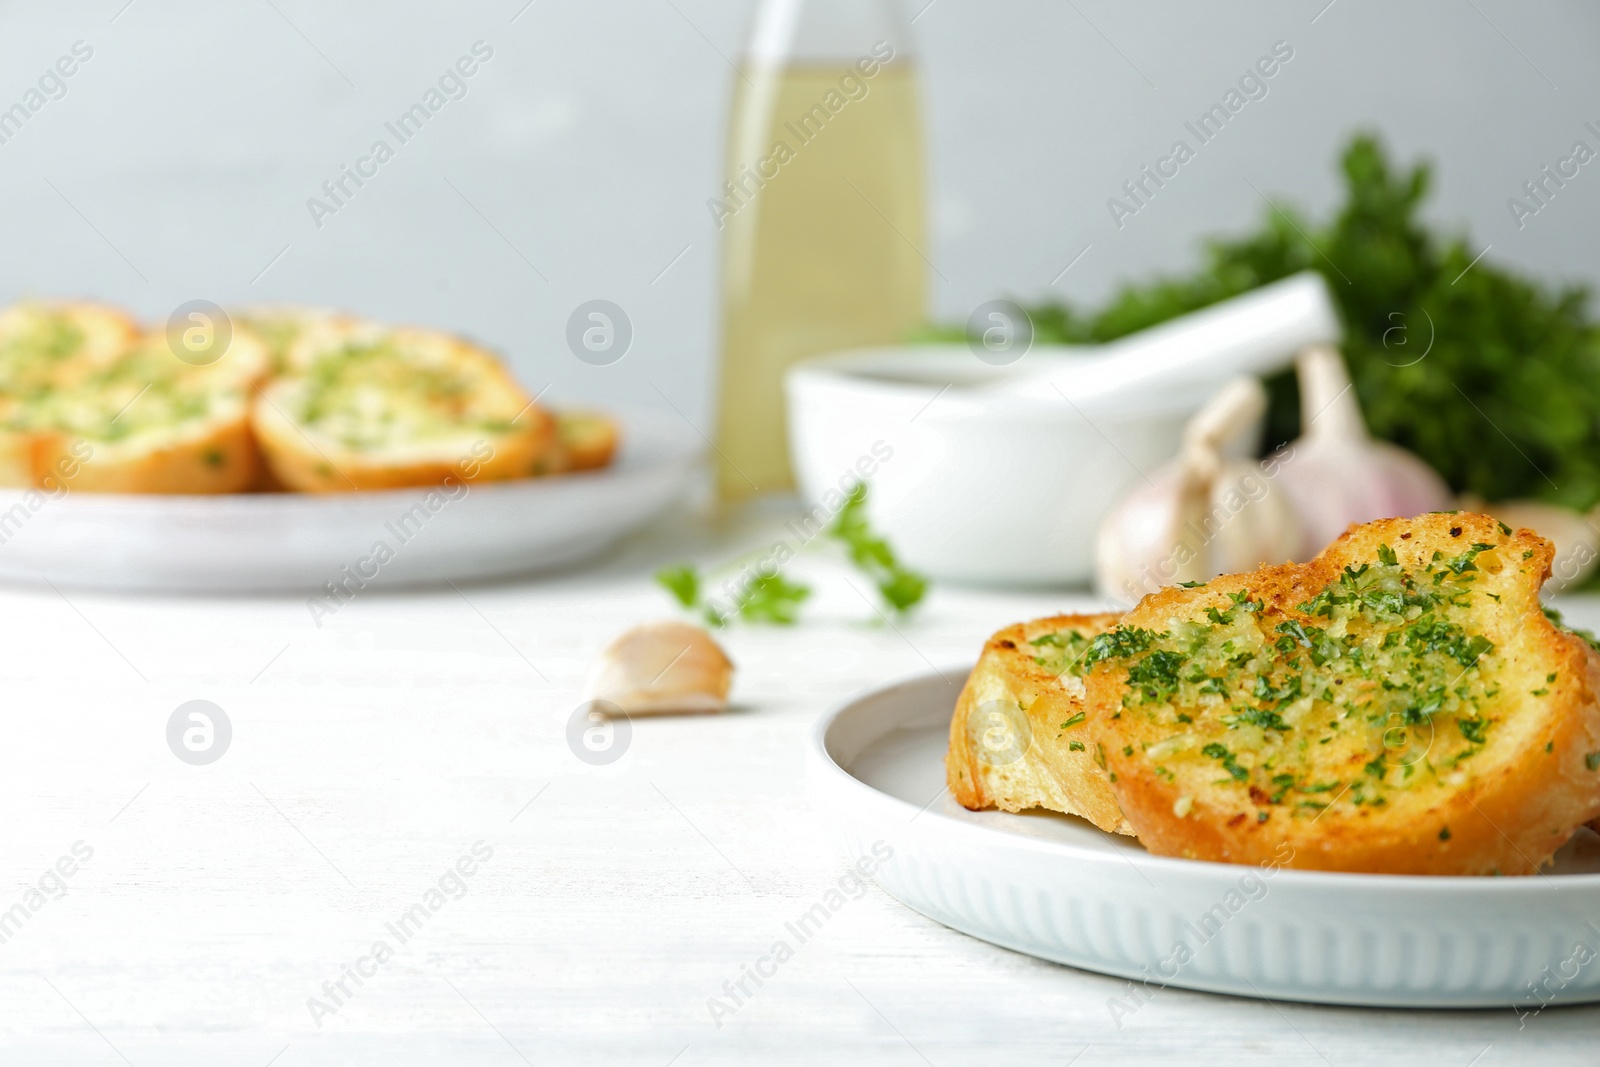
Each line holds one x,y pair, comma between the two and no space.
765,598
771,598
900,587
1504,403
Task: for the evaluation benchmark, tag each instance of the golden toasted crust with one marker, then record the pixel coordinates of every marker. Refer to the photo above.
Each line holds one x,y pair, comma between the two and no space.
1017,720
217,456
482,427
1397,791
16,458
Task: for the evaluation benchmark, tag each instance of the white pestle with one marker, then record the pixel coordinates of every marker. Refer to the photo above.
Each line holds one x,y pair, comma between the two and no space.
1256,333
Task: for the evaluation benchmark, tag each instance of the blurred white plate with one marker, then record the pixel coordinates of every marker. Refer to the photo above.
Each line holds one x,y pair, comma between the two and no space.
1055,887
261,541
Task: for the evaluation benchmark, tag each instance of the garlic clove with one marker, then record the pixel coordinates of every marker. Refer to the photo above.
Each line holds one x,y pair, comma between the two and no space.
662,667
1227,417
1203,514
1137,548
1335,484
1575,535
1251,522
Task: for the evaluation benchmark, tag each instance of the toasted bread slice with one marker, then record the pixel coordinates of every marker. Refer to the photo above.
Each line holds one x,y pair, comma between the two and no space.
280,325
148,422
584,441
363,406
1018,738
1400,704
45,348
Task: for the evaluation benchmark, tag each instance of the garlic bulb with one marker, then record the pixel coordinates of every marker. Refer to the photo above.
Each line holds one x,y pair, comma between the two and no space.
1335,473
1206,515
662,666
1203,515
1575,535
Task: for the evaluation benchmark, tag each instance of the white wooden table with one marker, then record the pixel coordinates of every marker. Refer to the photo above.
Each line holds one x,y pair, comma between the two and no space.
370,755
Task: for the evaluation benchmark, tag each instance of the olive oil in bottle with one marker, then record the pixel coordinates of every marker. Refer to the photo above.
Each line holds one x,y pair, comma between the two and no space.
821,217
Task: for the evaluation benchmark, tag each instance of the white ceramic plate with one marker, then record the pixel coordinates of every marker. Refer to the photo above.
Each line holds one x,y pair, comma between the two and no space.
302,541
1055,887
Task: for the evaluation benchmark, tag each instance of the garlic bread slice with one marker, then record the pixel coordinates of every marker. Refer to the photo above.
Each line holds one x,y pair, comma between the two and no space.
584,441
364,406
1018,738
279,326
1400,704
45,348
148,422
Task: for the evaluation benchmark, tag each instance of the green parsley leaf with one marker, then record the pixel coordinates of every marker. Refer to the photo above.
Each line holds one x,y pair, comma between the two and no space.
773,598
1230,764
901,588
682,580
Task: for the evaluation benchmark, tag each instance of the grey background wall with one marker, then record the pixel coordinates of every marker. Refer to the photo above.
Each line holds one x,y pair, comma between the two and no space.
179,160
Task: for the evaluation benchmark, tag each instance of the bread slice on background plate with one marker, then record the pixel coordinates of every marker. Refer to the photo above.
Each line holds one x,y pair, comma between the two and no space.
1019,737
279,326
365,406
1400,704
584,441
148,422
45,347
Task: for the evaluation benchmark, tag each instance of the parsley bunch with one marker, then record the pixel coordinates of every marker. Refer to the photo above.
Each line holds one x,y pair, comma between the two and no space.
1504,402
